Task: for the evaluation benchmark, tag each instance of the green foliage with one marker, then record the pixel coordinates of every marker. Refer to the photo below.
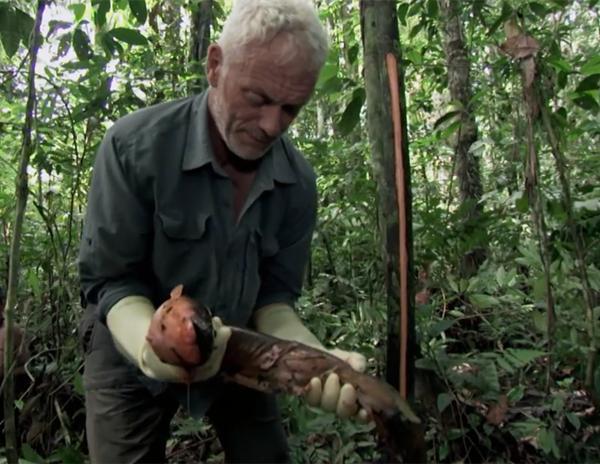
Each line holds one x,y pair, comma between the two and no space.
15,28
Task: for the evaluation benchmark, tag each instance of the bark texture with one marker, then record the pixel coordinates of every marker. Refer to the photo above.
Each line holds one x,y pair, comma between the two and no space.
467,165
22,190
380,37
199,40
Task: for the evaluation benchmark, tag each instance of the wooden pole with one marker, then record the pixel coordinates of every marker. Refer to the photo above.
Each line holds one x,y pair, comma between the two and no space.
392,71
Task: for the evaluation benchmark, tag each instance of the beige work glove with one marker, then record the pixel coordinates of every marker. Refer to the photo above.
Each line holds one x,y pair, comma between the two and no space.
129,321
281,321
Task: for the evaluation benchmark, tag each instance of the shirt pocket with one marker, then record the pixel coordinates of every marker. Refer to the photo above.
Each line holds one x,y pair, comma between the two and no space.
184,252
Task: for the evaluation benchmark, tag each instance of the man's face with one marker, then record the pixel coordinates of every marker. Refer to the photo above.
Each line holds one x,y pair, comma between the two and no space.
256,94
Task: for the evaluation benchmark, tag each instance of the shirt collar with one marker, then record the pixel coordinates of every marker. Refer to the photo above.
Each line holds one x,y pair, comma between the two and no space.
278,162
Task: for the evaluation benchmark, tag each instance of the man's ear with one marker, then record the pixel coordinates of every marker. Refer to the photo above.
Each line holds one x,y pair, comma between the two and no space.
214,64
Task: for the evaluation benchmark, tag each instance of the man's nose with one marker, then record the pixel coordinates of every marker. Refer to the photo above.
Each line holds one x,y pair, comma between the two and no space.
273,121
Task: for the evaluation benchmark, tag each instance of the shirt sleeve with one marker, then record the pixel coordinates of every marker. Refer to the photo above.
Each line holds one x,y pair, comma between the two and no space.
117,234
282,275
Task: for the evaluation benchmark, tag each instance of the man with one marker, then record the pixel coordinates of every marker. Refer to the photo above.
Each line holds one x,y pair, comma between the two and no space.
206,192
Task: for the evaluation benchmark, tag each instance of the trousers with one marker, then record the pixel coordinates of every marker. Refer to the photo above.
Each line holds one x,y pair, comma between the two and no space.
128,423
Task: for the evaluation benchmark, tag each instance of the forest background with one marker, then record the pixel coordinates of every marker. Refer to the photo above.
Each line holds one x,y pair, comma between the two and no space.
501,99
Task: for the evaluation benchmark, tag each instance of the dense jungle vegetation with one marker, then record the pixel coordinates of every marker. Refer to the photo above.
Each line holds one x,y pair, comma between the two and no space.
502,101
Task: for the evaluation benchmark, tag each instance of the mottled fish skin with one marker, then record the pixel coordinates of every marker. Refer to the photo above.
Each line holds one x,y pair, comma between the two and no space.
269,364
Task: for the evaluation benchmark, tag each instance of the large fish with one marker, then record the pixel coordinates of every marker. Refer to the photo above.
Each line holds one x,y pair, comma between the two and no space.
269,364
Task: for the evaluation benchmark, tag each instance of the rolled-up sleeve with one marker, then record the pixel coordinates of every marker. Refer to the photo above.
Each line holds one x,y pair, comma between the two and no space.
282,275
115,248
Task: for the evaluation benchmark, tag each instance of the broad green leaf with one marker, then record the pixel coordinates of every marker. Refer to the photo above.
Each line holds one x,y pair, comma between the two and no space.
559,63
9,34
139,10
351,115
501,276
515,394
102,7
521,357
484,301
29,454
443,401
440,326
538,9
547,441
505,365
525,429
328,71
78,10
589,83
450,115
432,9
402,10
540,321
453,285
574,420
587,102
15,27
592,66
81,45
129,36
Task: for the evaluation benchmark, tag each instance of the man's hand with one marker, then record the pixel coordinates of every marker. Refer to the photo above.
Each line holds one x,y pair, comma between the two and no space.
159,352
173,339
332,396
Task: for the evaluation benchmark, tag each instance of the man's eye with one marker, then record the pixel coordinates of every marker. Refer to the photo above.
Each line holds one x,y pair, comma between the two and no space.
254,98
291,110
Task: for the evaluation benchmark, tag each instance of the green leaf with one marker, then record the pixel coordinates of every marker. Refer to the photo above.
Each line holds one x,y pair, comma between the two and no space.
9,34
505,365
102,7
484,301
538,9
78,10
81,45
540,321
351,115
432,9
547,441
328,71
450,115
501,276
15,27
574,420
522,204
443,401
589,83
521,357
78,384
592,66
402,10
139,10
129,36
587,102
440,326
515,394
29,454
560,63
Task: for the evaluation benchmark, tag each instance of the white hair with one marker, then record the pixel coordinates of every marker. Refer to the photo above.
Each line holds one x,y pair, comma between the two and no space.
261,20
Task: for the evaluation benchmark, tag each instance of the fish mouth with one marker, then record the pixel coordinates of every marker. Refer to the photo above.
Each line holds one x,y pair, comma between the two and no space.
205,334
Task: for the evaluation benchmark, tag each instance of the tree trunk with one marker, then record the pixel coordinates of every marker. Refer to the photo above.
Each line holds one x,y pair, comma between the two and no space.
199,41
467,165
380,38
21,193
